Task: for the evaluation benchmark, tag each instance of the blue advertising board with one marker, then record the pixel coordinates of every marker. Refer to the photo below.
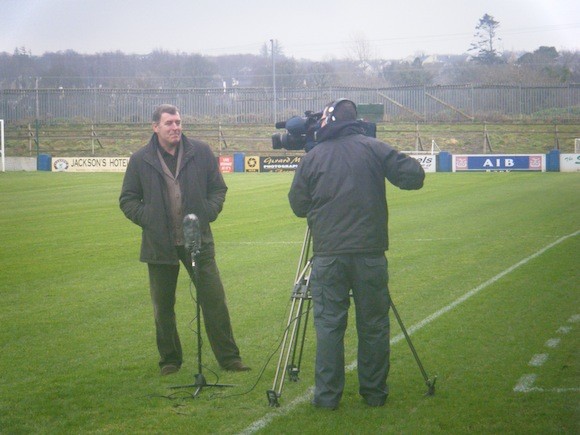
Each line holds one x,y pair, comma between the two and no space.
499,162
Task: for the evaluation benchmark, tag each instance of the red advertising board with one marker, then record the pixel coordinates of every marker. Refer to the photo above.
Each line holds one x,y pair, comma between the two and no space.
226,164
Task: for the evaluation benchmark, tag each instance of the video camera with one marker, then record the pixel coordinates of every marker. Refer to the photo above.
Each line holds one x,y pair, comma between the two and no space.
300,132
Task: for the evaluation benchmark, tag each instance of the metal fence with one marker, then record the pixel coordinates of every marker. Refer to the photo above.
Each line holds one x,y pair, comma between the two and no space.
252,105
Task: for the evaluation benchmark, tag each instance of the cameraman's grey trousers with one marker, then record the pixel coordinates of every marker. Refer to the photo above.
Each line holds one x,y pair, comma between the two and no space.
331,280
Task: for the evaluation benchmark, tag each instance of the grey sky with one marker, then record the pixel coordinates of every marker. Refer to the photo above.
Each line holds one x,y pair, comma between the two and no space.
304,29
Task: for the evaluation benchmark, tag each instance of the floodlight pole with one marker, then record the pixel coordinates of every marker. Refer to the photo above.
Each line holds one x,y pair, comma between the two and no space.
2,144
272,42
37,116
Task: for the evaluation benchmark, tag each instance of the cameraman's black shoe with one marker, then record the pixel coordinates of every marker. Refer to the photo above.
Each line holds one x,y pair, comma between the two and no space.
374,402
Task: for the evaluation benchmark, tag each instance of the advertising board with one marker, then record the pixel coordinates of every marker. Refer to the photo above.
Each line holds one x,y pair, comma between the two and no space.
226,164
428,161
499,162
570,162
271,163
89,164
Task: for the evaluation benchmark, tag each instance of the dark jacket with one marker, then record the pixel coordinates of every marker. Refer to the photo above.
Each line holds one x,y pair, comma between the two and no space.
144,197
339,187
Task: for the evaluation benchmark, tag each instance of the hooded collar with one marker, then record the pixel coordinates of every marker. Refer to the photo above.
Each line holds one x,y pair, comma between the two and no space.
338,129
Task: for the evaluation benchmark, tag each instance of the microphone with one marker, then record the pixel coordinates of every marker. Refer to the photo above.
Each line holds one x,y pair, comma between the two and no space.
192,234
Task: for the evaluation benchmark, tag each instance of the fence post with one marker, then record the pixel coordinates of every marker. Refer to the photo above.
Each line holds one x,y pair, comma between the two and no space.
486,141
418,144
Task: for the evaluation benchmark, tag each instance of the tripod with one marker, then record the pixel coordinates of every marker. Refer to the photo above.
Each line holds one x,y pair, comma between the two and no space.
296,330
193,244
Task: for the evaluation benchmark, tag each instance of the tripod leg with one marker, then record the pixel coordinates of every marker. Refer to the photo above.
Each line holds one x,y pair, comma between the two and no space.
296,367
300,292
286,346
292,368
292,331
430,383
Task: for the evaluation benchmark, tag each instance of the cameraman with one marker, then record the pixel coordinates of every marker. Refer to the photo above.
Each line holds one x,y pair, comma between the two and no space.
339,186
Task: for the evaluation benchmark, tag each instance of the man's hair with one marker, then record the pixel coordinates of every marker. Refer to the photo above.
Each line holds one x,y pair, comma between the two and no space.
164,108
345,111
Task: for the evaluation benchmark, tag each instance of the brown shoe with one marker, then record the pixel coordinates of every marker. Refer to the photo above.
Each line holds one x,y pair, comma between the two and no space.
169,369
237,366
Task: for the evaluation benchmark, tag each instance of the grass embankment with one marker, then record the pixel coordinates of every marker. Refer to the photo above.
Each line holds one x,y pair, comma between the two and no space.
78,140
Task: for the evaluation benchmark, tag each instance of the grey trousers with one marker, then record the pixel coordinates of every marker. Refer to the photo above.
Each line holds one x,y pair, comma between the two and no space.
331,281
210,291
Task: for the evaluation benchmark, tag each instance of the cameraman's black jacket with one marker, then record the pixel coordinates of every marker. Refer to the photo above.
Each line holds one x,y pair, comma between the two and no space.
339,187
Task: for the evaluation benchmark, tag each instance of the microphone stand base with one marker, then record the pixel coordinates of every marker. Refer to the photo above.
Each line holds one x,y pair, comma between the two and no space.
199,384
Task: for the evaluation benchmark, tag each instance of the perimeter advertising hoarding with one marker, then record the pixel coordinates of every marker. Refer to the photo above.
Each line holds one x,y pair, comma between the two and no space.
570,162
428,161
90,164
499,162
226,164
271,163
290,163
113,164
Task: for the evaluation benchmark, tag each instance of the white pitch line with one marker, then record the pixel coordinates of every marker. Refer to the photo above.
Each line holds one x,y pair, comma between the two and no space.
552,342
538,360
242,243
267,419
552,390
298,242
283,410
526,385
564,329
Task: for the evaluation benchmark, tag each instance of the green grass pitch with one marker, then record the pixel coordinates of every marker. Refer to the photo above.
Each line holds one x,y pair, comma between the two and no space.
483,270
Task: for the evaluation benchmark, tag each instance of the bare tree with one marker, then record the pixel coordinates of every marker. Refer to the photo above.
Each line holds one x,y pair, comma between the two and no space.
319,75
361,50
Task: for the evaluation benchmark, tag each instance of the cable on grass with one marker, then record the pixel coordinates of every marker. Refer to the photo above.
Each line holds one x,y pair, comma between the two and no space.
185,395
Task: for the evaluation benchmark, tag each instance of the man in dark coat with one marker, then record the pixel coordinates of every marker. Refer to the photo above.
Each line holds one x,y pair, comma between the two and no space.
169,178
339,186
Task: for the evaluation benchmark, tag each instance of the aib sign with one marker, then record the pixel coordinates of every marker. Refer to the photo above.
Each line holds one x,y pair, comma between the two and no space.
500,162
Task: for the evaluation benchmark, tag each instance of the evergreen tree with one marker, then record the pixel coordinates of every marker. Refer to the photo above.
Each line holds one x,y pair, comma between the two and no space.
486,44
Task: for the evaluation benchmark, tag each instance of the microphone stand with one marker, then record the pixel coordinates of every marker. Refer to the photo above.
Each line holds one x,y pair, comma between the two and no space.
199,378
